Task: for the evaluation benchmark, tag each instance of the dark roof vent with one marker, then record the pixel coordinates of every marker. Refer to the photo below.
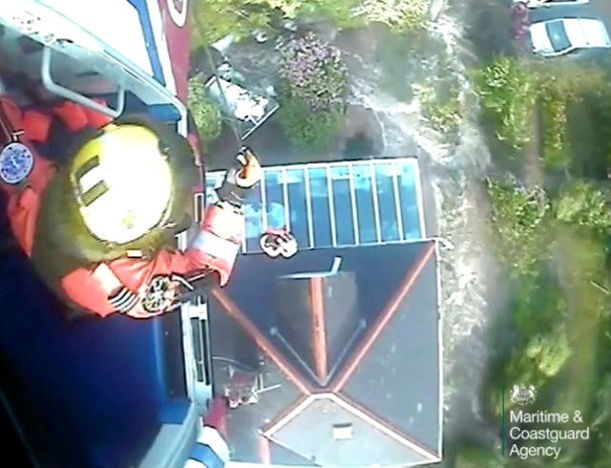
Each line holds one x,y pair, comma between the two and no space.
342,431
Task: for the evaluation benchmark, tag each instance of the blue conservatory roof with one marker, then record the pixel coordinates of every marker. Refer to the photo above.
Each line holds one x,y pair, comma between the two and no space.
336,204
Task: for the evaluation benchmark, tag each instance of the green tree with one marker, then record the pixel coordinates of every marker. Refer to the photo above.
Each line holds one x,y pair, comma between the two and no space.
584,204
211,20
339,12
567,80
398,15
205,112
581,269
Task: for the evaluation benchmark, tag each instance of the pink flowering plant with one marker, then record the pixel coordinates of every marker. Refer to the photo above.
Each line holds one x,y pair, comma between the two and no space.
312,93
314,72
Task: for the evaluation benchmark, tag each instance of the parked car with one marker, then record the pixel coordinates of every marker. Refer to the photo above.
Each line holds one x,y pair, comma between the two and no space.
550,3
565,35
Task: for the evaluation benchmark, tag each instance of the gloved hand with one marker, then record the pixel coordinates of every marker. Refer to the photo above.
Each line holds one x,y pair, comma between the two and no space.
240,178
249,172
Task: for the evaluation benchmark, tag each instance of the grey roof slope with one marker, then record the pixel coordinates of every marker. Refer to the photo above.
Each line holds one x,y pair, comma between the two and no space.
383,381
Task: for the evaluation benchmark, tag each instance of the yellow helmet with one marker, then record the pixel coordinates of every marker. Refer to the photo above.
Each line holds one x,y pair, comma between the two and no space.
122,182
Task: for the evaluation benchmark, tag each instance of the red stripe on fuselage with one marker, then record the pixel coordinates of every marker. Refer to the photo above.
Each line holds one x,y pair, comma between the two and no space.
177,37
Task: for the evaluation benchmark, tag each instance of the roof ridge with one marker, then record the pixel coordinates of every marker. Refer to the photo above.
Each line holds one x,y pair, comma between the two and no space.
261,341
382,425
350,405
382,320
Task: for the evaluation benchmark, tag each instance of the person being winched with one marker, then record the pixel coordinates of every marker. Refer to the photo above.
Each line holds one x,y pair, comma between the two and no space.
100,227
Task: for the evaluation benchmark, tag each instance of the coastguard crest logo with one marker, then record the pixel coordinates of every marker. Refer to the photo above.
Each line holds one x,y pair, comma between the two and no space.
523,394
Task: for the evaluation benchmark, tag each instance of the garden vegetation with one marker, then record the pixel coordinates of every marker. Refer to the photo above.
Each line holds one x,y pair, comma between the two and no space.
554,242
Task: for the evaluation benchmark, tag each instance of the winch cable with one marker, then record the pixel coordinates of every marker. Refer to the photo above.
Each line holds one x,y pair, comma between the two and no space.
213,67
232,120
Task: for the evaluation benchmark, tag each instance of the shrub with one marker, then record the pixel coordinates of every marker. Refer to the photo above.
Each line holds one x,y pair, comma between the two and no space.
313,92
314,72
507,93
518,216
443,114
310,131
548,353
537,304
555,142
399,15
206,113
211,20
583,204
569,80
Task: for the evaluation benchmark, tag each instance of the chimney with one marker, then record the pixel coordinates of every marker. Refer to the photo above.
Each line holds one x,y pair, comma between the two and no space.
317,316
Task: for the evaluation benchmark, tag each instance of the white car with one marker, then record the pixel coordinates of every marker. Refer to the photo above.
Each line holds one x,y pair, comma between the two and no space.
561,36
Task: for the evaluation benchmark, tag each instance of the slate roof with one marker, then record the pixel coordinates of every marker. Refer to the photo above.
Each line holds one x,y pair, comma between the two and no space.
359,349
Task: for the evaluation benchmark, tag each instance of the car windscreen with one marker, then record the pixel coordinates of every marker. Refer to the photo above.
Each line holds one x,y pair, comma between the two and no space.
557,36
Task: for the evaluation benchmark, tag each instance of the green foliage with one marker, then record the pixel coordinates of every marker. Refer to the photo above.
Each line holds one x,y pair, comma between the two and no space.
309,131
536,305
211,20
602,404
340,12
205,112
508,90
443,114
313,93
560,84
556,153
314,72
601,425
568,80
583,204
601,108
534,361
472,456
517,219
580,264
549,353
289,8
582,269
539,312
398,15
507,94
